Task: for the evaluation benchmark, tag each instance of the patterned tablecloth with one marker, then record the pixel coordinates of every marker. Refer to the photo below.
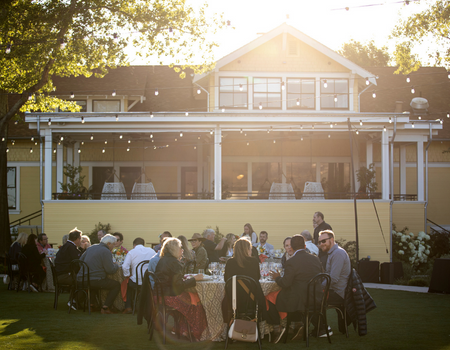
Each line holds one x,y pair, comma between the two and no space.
47,284
119,304
211,294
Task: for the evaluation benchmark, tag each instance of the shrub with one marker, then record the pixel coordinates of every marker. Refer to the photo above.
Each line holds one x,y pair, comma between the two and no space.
350,248
418,282
93,235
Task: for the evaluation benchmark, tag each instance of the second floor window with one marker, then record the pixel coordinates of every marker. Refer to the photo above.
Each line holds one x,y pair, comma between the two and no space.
334,94
233,93
301,94
106,106
11,187
267,93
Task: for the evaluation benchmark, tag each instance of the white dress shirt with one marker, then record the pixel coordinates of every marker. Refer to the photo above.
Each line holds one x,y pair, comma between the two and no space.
133,258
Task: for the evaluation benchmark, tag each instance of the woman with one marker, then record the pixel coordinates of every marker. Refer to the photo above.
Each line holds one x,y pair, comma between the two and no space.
170,274
289,251
227,250
85,243
249,232
188,258
17,246
201,256
119,245
34,262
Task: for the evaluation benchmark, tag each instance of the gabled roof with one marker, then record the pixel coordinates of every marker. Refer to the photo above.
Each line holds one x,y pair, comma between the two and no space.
285,28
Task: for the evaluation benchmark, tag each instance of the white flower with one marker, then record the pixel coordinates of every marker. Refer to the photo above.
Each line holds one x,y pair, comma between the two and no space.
401,252
403,239
427,237
427,252
421,234
411,234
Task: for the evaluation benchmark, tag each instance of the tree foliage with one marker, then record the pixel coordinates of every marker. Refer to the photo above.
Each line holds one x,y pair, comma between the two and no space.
365,55
45,38
429,28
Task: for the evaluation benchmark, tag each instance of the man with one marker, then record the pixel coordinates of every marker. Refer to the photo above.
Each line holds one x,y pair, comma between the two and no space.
263,247
99,260
68,252
163,235
119,242
310,246
42,243
210,246
135,256
320,225
100,235
338,267
298,271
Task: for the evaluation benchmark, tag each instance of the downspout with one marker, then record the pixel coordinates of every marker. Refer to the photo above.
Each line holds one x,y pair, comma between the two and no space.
426,178
207,93
359,97
391,175
40,172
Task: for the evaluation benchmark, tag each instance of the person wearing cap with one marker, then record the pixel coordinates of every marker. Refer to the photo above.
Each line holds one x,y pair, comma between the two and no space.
310,246
201,256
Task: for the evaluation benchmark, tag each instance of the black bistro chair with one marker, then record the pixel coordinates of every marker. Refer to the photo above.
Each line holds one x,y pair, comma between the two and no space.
246,302
59,288
82,286
165,311
24,272
13,271
139,268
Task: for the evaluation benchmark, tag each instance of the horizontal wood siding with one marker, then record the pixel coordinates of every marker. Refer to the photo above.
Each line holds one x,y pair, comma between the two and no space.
279,219
409,214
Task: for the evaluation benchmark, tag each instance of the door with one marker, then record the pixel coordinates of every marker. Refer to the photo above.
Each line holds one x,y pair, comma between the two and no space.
128,176
189,182
99,175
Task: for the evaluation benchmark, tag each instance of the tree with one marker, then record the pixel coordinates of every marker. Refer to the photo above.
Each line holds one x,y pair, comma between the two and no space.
430,27
365,55
45,38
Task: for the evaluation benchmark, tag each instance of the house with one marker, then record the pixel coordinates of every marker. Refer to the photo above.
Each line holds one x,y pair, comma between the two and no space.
277,131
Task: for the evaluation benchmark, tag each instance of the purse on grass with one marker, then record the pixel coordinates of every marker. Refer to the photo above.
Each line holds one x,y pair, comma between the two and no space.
242,330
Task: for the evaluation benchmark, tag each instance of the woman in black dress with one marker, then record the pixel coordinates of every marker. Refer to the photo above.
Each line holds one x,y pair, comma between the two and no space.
34,262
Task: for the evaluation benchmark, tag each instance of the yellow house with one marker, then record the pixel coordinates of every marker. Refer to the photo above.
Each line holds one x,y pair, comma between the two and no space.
273,134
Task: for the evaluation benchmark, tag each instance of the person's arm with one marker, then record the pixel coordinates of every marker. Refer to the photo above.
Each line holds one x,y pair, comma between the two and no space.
254,238
200,260
219,245
126,266
177,281
335,264
108,265
289,275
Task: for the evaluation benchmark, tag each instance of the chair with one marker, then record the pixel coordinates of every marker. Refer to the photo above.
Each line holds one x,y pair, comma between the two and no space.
147,308
313,191
189,266
12,271
24,272
83,286
165,311
342,310
139,268
58,287
246,303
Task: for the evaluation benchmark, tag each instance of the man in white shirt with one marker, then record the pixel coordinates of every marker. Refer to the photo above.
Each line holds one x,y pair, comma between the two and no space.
310,246
263,247
136,255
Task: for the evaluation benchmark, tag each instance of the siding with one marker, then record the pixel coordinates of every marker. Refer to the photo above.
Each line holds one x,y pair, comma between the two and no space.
409,214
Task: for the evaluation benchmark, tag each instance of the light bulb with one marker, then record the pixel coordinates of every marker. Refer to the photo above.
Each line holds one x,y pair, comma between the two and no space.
448,114
335,98
31,150
62,138
420,117
408,79
325,84
331,125
151,135
8,49
72,95
117,117
374,94
13,142
413,90
360,122
151,114
199,91
181,134
54,150
82,120
79,150
367,81
186,114
211,131
35,143
82,142
282,85
298,102
106,142
241,87
7,149
92,137
301,138
129,141
390,120
114,93
195,147
120,137
248,143
49,121
128,149
357,132
223,110
329,135
274,141
32,139
412,125
103,150
156,92
241,131
260,105
384,129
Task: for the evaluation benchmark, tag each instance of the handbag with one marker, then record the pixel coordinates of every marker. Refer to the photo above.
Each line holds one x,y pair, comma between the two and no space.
242,330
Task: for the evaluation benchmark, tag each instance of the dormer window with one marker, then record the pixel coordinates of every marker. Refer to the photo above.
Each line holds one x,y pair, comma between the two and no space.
267,93
233,93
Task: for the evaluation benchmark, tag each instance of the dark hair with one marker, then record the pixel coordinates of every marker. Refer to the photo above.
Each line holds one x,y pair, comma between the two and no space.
264,233
39,237
318,213
31,239
74,234
240,250
297,242
328,232
138,241
284,242
167,233
118,234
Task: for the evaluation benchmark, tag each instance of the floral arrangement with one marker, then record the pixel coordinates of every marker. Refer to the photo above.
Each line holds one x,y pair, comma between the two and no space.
119,255
411,249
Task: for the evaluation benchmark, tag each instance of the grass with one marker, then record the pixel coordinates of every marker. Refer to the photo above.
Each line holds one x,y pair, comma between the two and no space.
402,320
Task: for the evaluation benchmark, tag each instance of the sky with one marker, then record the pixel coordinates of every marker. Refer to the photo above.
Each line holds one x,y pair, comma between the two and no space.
326,21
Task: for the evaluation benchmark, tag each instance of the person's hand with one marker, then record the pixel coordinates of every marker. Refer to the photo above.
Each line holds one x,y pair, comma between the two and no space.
198,277
274,275
45,251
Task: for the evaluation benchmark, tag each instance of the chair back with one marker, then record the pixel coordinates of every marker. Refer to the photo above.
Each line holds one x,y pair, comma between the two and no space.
23,263
189,267
246,296
139,271
158,290
76,266
52,268
317,293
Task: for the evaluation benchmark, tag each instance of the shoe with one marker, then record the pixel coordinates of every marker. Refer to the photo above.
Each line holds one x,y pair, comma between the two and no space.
299,334
323,333
280,335
33,288
128,311
106,311
73,306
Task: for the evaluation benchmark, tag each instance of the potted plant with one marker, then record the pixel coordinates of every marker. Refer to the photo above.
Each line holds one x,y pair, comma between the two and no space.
367,184
73,188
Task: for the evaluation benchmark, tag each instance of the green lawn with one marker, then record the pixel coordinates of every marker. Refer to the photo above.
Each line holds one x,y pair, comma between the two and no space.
403,320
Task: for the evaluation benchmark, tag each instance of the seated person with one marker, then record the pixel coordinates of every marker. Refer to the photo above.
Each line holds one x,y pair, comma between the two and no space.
201,256
163,235
212,248
263,247
99,260
188,257
227,249
68,252
85,243
119,242
135,256
34,262
17,246
64,239
250,233
310,246
289,252
298,271
170,274
42,243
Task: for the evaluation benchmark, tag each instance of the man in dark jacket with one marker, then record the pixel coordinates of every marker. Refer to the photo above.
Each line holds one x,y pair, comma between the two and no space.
68,252
320,225
298,271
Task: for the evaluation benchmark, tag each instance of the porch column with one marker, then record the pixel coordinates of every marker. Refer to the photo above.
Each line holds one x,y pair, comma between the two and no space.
249,178
369,153
218,163
48,165
385,165
420,176
199,166
59,166
402,170
76,155
69,155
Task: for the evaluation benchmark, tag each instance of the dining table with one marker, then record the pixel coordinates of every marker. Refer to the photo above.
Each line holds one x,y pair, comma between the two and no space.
211,293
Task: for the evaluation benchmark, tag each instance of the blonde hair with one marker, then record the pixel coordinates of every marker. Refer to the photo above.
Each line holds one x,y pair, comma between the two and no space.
21,238
170,245
187,252
241,250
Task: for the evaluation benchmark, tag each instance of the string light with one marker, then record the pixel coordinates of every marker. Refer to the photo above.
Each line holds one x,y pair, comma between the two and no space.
274,141
325,84
384,128
260,105
120,137
367,81
301,138
408,79
329,135
211,132
114,93
151,135
151,114
448,114
374,94
195,147
3,139
49,121
390,120
176,140
181,134
54,150
129,141
32,139
61,138
8,50
62,44
198,137
248,143
13,142
199,91
156,92
241,87
282,85
335,98
16,122
413,90
298,102
331,125
103,150
301,127
441,121
79,150
268,131
92,137
117,117
31,149
7,149
312,127
128,149
35,143
106,142
357,132
82,142
223,110
412,125
72,95
82,120
241,131
360,122
420,117
245,134
186,114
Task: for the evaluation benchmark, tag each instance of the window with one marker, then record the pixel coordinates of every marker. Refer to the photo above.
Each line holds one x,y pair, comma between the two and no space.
334,94
11,187
106,106
83,105
263,174
299,173
301,94
235,176
233,93
267,93
335,179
